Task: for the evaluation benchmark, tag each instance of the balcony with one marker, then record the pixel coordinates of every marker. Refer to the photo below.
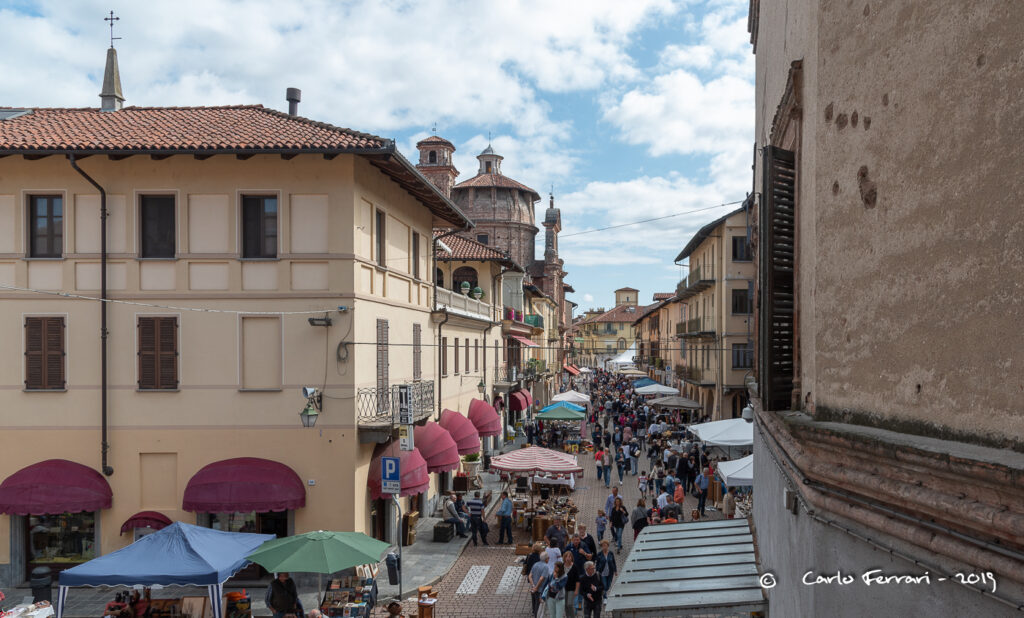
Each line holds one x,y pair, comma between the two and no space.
377,409
698,327
461,304
699,279
680,328
508,374
513,315
535,320
697,375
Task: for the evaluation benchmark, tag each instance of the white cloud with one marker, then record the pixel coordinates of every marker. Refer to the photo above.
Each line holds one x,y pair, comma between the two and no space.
588,298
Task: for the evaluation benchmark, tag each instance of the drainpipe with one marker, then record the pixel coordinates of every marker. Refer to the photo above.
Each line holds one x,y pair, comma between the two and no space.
104,445
440,355
433,261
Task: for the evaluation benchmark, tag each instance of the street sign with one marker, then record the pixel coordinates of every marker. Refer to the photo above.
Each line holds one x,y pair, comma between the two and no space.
405,438
390,476
405,411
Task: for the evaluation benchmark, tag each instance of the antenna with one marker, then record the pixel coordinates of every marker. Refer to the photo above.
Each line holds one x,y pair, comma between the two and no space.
112,19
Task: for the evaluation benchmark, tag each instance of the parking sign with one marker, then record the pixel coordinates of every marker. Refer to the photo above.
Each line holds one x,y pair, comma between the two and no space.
390,476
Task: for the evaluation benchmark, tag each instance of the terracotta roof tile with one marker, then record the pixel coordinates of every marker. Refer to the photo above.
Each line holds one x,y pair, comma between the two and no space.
622,313
435,139
468,249
495,180
240,127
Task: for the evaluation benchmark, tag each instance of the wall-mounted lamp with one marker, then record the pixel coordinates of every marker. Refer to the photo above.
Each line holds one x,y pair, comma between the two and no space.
324,321
481,386
314,401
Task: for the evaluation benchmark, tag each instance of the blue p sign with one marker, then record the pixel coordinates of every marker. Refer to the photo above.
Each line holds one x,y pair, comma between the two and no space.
390,475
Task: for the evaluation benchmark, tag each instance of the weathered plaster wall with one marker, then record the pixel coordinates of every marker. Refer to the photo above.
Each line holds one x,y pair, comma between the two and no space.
920,280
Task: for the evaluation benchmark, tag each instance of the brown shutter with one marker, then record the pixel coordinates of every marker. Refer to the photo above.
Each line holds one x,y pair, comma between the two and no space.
147,352
456,354
777,260
167,352
54,343
34,353
467,354
382,357
417,352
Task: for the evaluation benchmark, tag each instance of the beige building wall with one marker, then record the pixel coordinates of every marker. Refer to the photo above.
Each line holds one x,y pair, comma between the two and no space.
240,372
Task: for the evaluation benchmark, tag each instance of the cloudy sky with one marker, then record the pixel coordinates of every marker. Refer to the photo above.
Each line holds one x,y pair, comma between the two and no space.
630,110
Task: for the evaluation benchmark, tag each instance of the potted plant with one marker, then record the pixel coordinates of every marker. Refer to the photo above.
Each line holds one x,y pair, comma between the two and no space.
471,464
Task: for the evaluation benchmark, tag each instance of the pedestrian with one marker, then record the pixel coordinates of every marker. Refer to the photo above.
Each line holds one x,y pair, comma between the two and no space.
606,465
638,518
451,514
702,488
533,557
620,463
554,593
587,540
556,535
605,565
592,590
634,456
539,573
284,597
601,523
729,503
619,517
659,477
573,570
477,525
598,456
505,519
609,502
641,483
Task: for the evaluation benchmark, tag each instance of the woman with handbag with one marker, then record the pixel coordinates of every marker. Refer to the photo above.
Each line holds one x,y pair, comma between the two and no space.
554,594
619,518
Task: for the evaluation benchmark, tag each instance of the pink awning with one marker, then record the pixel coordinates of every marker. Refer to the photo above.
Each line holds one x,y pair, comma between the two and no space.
519,400
534,459
485,418
462,431
572,370
437,447
413,469
244,484
53,487
523,340
146,519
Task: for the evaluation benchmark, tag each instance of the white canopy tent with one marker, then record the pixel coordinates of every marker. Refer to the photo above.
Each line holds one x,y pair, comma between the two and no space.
730,432
572,397
657,389
738,472
623,360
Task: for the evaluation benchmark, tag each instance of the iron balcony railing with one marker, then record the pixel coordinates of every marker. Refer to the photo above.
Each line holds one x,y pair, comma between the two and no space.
379,406
535,320
703,326
508,373
680,329
700,278
698,375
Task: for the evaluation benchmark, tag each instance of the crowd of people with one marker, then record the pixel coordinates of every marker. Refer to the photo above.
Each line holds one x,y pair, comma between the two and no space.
645,446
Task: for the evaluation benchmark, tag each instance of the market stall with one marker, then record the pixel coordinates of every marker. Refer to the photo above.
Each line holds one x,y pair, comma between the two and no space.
178,555
572,396
729,432
657,389
738,472
539,464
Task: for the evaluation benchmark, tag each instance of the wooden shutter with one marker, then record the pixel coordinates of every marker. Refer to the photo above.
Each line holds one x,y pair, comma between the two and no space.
467,354
44,353
777,261
417,352
456,355
158,353
476,355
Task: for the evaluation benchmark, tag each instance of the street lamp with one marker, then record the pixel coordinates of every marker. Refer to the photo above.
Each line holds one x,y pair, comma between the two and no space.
481,386
309,415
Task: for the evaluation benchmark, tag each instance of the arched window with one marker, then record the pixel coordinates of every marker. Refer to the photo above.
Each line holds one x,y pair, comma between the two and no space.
432,156
622,344
464,273
487,167
440,278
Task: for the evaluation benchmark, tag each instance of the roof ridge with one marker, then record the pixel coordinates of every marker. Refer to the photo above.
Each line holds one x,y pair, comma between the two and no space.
326,125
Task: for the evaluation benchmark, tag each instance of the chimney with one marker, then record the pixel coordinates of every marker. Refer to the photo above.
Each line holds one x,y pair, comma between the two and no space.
111,97
294,95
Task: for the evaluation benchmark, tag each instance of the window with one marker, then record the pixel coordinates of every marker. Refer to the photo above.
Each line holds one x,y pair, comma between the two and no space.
379,230
439,278
487,167
496,347
464,273
476,355
50,539
444,356
417,352
432,156
44,353
158,353
467,354
741,301
740,249
742,355
156,213
457,356
416,255
382,359
259,226
483,238
46,226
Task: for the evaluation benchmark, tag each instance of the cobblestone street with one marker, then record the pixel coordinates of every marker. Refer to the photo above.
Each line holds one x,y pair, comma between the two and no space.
487,581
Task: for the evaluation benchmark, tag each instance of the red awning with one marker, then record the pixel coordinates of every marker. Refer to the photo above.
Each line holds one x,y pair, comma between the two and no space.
244,484
485,418
520,400
462,431
437,447
413,469
572,370
523,340
53,487
146,519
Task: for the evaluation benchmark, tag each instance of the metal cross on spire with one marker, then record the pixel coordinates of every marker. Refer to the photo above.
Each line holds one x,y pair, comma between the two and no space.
434,129
112,19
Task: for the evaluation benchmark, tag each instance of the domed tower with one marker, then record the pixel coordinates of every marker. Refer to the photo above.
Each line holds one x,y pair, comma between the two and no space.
436,163
502,208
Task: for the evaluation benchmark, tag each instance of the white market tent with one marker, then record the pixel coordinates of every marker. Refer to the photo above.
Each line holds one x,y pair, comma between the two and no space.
657,389
738,472
730,432
623,360
572,397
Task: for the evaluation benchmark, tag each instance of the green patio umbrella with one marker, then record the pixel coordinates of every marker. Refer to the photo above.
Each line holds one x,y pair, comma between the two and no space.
318,552
561,413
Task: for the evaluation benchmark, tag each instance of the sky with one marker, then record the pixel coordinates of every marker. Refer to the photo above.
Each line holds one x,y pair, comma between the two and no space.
626,110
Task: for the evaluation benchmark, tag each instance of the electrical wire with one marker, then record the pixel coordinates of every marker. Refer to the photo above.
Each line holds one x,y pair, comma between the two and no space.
678,214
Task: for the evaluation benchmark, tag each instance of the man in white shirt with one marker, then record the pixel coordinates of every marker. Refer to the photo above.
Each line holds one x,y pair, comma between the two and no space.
554,555
662,500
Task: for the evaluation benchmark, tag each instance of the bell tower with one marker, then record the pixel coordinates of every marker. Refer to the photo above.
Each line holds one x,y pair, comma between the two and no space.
436,163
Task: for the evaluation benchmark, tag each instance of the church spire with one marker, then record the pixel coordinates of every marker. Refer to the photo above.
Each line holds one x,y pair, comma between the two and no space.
111,97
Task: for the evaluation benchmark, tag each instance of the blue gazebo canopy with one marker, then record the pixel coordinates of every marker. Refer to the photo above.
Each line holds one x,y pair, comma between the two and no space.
564,404
180,554
643,382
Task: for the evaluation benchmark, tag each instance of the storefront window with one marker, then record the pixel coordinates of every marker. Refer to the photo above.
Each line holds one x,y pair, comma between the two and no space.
61,540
